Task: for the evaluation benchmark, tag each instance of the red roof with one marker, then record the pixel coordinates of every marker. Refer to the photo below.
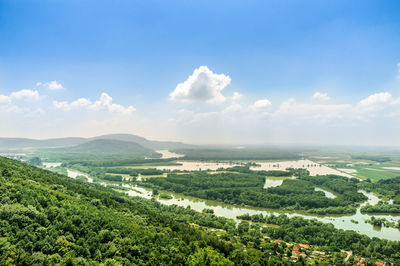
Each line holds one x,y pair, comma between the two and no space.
378,263
296,251
356,259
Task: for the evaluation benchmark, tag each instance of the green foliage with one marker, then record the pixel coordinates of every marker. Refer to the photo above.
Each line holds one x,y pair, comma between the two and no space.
387,189
246,188
379,222
381,207
313,232
48,217
35,161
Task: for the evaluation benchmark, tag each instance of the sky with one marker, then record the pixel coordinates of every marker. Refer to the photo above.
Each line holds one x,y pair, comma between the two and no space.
207,72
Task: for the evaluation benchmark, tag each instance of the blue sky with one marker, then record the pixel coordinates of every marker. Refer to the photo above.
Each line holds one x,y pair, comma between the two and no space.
137,52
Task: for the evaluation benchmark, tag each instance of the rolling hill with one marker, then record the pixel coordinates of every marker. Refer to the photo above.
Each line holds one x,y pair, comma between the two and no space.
22,144
107,147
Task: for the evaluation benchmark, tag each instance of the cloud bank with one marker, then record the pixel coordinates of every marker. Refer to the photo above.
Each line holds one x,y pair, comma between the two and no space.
104,103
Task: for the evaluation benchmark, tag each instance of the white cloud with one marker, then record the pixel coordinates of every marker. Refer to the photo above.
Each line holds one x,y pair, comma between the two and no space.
4,99
29,95
65,106
103,103
202,85
52,85
236,96
376,101
398,67
295,111
260,104
321,96
234,107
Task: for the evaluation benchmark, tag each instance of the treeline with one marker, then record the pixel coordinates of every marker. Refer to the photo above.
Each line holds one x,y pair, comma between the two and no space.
104,172
134,171
381,207
237,154
375,158
245,169
118,162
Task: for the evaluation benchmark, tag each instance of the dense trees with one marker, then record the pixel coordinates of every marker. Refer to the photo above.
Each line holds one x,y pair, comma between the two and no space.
243,186
36,161
381,207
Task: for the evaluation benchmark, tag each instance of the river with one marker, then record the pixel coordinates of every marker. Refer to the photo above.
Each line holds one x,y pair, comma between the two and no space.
230,211
74,174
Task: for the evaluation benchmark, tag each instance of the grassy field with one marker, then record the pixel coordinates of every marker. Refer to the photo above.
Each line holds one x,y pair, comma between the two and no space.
368,169
362,168
376,171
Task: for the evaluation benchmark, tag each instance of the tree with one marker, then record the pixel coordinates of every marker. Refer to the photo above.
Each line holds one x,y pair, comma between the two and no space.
35,161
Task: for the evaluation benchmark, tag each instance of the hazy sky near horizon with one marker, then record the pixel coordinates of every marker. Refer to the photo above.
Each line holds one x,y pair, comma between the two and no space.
304,72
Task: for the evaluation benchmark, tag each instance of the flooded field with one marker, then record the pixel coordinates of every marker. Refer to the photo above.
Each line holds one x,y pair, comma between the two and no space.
197,165
313,167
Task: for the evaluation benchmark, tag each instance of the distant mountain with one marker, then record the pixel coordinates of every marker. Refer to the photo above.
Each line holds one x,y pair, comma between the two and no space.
109,147
24,143
156,145
19,144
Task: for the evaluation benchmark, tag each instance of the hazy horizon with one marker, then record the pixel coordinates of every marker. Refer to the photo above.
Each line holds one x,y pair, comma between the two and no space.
249,73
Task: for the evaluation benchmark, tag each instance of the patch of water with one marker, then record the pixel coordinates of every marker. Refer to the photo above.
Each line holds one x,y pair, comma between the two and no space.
327,193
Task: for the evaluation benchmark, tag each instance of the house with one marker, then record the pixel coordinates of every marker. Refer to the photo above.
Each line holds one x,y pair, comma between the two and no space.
378,263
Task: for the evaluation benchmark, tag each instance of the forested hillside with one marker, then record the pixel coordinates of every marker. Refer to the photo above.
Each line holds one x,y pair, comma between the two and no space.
48,218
